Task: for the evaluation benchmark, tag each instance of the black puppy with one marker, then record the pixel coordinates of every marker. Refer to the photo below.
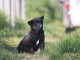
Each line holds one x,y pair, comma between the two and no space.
35,38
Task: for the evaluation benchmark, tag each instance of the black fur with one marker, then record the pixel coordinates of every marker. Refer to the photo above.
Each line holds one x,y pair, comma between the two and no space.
28,43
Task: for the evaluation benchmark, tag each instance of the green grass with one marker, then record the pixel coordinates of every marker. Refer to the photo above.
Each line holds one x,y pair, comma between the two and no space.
71,44
59,46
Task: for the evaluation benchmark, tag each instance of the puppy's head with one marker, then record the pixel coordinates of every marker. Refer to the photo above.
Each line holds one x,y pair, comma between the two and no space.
36,23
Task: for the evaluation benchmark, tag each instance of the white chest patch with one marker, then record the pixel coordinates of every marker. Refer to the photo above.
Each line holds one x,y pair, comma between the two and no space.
37,42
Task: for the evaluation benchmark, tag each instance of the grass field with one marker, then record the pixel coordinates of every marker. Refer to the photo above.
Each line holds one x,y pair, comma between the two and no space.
59,45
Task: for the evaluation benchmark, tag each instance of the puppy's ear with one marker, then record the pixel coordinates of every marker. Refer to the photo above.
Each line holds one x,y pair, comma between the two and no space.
30,22
42,17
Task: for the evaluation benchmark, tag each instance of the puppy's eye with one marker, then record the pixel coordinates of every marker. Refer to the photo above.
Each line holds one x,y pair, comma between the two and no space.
40,25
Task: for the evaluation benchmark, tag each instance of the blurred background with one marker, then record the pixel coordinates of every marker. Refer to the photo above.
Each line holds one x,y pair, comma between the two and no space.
18,12
14,15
